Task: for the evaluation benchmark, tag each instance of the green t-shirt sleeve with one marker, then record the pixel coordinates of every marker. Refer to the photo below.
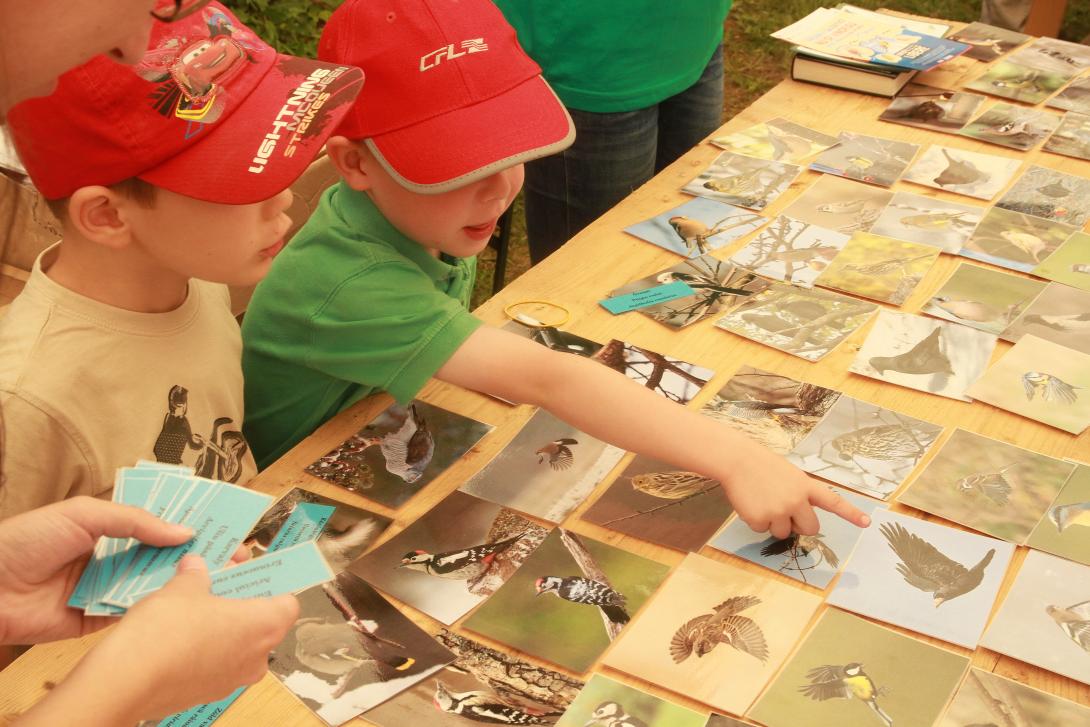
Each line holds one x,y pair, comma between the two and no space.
387,327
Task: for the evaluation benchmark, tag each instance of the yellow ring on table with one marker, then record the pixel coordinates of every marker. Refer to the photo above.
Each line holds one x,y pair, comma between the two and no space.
531,321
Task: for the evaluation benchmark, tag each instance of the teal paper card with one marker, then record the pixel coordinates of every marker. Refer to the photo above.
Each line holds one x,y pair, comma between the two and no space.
646,297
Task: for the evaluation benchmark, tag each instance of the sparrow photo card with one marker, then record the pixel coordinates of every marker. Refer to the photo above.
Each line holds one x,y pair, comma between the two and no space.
743,181
839,204
963,172
697,227
929,221
1053,195
655,501
714,633
790,250
924,354
983,695
1074,97
1060,314
982,298
573,586
1069,263
1040,380
608,703
988,485
1015,240
932,108
869,159
776,139
810,559
1065,528
849,671
1072,137
399,452
987,42
924,576
1012,126
1013,80
453,557
878,267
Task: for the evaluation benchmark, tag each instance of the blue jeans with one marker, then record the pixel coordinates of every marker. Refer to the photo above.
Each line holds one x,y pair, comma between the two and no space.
613,154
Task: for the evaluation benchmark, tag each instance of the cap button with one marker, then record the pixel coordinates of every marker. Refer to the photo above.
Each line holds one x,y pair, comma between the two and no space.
391,17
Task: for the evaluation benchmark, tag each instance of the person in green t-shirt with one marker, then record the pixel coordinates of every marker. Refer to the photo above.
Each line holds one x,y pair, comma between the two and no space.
371,294
643,82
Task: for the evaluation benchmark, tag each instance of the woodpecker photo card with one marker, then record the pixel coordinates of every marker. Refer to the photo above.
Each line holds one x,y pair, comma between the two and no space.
878,267
777,139
1015,240
869,159
1053,195
1060,314
569,600
605,702
1012,126
715,633
697,227
839,204
1013,80
928,221
790,250
970,173
988,485
1069,263
932,108
849,671
983,694
982,298
453,557
399,452
655,501
1064,530
743,181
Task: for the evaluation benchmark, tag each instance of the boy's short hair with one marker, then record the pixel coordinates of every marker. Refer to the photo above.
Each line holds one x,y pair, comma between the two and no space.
134,188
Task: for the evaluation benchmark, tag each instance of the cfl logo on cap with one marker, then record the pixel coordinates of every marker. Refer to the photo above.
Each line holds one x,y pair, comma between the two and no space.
433,59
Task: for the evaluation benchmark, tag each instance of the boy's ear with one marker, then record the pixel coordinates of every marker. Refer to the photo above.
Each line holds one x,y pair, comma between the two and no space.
350,160
100,215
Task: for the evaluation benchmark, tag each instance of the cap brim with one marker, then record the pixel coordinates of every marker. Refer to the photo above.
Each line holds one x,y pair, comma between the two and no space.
459,147
269,140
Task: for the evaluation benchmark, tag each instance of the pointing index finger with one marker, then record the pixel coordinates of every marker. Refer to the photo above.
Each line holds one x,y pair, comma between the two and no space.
834,503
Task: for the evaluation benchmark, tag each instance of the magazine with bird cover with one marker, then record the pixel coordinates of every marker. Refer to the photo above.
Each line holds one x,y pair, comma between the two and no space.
1060,314
715,633
697,227
929,221
1045,618
399,452
839,204
453,557
878,267
1072,136
655,501
776,139
350,650
849,671
1040,380
1015,240
932,108
869,159
608,703
791,250
570,599
923,576
1012,126
963,172
1019,82
982,298
1065,528
1050,194
924,354
1069,263
987,42
984,696
744,181
988,485
810,559
482,686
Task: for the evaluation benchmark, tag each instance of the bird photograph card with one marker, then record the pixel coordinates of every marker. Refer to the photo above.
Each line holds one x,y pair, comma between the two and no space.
677,380
963,172
547,470
878,267
924,576
839,204
697,227
715,633
1058,56
777,139
1015,240
810,559
350,650
722,720
1045,618
790,250
807,323
865,447
608,703
924,354
657,502
849,671
399,452
929,221
1040,380
1012,126
869,159
988,485
483,686
932,108
1069,263
743,181
453,557
1060,314
984,697
1075,97
982,298
1065,528
717,286
1013,80
1072,136
1053,195
569,601
775,410
987,42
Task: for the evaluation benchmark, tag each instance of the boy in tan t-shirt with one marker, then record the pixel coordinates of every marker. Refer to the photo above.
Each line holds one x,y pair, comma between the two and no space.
169,181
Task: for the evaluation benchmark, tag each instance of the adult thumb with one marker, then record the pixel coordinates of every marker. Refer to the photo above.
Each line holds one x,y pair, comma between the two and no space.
191,575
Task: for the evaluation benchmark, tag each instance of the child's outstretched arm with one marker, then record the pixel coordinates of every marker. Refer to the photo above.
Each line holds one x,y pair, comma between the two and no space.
767,492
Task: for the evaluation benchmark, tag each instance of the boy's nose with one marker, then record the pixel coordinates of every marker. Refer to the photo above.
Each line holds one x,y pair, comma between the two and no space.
504,184
132,47
280,203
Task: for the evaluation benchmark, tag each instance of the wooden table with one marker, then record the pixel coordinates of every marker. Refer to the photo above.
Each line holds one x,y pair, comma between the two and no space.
579,275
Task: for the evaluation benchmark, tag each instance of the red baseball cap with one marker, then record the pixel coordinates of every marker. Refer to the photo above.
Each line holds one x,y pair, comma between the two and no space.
451,97
211,112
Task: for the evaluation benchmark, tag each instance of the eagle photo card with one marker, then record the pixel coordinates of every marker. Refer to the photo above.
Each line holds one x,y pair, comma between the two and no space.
743,181
697,227
1064,529
982,298
970,173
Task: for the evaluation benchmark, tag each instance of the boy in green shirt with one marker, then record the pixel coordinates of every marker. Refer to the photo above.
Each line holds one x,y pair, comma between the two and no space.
371,294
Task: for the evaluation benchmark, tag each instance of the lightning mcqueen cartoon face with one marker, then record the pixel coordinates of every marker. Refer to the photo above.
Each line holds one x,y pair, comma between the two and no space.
202,64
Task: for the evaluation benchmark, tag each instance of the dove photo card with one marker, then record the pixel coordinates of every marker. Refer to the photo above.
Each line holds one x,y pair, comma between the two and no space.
777,139
1065,528
865,447
924,576
849,671
697,227
1050,194
810,559
399,452
1060,314
932,108
983,693
1072,136
715,633
790,250
1045,618
924,354
963,172
878,267
453,557
982,298
1069,263
987,42
1012,126
657,502
1040,380
1015,240
608,703
569,600
1013,80
743,181
988,485
839,204
929,221
869,159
